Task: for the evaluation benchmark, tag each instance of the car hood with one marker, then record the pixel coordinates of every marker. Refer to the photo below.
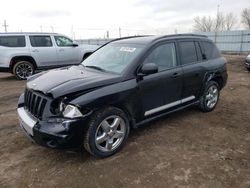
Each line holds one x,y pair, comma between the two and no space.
63,81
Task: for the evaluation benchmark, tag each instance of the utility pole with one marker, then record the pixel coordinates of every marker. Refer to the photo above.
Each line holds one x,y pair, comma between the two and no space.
176,31
72,31
52,28
107,34
120,32
217,23
218,9
217,18
5,26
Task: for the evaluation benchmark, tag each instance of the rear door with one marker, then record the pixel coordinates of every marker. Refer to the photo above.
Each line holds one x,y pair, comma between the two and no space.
193,69
42,50
162,90
67,53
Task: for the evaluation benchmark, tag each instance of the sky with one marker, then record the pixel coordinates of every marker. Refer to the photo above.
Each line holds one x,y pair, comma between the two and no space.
93,18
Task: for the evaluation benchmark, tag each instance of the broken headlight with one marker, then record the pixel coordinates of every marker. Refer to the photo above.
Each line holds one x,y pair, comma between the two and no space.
71,111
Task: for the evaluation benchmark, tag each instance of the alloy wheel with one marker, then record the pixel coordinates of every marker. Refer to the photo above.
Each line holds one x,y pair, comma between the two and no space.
23,70
110,133
212,96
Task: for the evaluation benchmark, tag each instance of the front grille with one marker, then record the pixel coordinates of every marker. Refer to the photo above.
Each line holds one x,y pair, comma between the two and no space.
34,103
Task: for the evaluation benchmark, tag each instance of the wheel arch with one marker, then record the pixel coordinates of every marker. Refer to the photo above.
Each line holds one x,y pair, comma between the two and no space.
16,59
212,77
125,108
218,80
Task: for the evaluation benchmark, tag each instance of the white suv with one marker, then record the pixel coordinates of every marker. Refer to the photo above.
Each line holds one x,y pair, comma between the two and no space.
23,53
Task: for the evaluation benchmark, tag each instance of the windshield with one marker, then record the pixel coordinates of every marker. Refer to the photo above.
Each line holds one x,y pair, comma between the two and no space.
113,57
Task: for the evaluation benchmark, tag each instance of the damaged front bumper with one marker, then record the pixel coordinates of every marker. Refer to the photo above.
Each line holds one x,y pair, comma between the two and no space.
53,132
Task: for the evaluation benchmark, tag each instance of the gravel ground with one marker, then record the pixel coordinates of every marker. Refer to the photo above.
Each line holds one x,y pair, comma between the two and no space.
185,149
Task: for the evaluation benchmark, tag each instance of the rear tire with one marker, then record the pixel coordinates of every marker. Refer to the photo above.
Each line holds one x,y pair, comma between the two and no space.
210,97
23,69
107,132
248,69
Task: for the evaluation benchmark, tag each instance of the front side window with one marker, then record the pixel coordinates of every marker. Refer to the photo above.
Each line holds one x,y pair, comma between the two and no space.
188,52
40,41
12,41
163,56
63,41
113,57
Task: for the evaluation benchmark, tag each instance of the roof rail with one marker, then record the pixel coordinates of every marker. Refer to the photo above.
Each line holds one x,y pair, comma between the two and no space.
176,35
129,37
117,39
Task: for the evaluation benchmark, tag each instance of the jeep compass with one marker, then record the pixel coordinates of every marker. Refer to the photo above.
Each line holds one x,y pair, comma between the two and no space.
125,83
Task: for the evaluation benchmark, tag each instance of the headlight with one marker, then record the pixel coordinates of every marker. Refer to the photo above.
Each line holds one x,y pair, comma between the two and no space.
62,106
71,112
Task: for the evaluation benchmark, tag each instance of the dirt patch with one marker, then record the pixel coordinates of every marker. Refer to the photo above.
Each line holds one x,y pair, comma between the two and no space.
185,149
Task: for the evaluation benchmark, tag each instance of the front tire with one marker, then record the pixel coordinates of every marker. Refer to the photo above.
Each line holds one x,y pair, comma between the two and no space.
107,132
210,97
248,69
23,69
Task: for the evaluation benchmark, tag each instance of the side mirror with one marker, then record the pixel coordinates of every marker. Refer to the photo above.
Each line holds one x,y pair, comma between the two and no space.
74,44
149,68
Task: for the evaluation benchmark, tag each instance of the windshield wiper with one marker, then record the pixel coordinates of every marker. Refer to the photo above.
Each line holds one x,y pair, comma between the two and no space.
95,67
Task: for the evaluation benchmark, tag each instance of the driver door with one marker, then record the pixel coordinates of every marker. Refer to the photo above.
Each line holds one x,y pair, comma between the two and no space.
162,90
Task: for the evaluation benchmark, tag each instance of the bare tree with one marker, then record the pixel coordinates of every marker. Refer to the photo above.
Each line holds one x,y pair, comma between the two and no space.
203,24
245,17
230,21
219,23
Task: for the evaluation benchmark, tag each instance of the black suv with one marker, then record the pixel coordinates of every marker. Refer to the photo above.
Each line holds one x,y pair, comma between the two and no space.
125,83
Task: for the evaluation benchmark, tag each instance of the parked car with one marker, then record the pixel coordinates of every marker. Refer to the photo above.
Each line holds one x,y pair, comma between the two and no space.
124,84
23,53
247,64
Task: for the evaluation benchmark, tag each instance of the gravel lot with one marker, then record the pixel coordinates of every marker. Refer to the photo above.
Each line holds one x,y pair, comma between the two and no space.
185,149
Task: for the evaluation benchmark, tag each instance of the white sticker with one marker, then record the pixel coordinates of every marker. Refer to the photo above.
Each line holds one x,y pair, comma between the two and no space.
127,49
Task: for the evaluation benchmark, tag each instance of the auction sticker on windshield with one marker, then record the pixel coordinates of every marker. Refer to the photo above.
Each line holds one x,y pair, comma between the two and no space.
127,49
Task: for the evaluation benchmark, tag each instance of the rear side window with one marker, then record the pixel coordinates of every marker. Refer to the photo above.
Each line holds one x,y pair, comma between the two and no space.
12,41
163,56
40,41
188,52
210,50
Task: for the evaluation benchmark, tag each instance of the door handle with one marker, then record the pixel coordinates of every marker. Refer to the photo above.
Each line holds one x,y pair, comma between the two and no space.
61,50
35,50
175,75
